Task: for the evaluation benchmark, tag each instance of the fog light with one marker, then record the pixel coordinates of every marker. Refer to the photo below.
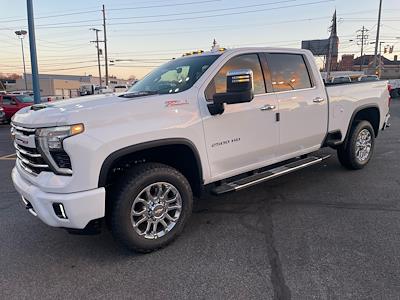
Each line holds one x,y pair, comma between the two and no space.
59,210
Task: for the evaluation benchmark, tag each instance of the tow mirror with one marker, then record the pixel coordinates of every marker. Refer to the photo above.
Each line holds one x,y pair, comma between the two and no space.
239,89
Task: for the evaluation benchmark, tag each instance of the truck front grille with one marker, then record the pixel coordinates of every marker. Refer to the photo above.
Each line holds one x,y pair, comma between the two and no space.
29,158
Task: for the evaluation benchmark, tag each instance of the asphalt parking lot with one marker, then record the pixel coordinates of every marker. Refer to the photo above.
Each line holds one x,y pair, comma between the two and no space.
323,232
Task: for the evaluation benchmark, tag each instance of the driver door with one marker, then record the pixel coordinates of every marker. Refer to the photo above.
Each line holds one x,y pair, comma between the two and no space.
246,136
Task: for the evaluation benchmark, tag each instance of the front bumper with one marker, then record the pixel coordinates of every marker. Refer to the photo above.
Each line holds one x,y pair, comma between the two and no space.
80,208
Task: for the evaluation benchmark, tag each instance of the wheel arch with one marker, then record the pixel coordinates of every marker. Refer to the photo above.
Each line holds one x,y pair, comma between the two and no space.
179,153
368,112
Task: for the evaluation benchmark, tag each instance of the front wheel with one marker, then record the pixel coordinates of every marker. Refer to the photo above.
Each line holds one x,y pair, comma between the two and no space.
150,207
359,148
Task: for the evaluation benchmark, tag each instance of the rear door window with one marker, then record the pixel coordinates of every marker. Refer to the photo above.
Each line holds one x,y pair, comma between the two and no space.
288,72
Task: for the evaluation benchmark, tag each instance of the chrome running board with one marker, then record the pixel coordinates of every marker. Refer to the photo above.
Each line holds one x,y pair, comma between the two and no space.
268,174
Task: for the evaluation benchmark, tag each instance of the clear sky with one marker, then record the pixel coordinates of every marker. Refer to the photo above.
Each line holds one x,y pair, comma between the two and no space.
146,33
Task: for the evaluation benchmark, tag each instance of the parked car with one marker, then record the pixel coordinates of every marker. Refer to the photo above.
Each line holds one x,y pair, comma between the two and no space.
340,79
368,78
120,88
219,121
394,88
12,103
2,116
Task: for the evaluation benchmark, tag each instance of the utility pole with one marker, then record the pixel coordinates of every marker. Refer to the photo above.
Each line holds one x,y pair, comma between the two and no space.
32,48
377,36
362,39
105,43
98,51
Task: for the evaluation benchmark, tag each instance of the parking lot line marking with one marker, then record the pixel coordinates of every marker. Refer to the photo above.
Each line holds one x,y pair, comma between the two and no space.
12,156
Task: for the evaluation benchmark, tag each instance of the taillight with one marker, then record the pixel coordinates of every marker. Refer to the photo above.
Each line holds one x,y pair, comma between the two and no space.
389,87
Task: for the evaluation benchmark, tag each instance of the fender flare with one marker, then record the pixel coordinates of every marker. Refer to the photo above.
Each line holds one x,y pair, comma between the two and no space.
111,158
355,112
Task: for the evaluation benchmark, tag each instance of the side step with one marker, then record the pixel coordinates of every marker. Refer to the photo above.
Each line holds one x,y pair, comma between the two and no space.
267,175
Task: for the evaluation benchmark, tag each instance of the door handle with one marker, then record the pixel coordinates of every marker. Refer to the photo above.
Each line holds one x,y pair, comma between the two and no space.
267,107
318,99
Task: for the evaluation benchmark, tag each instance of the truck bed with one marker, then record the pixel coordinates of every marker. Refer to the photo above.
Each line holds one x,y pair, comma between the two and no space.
346,99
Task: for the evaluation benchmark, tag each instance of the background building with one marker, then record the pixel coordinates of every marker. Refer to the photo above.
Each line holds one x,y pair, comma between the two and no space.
63,86
388,69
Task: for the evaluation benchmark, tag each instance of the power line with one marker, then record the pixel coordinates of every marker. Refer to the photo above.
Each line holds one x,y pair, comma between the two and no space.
227,27
164,5
168,15
54,25
201,11
8,20
50,16
221,15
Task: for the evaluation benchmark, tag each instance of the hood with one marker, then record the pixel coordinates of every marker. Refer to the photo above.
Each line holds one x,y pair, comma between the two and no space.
58,113
102,110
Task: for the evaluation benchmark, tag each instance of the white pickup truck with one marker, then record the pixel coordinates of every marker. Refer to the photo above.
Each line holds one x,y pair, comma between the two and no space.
215,121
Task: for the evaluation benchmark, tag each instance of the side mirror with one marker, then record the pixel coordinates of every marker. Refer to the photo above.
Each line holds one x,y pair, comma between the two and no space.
13,102
239,89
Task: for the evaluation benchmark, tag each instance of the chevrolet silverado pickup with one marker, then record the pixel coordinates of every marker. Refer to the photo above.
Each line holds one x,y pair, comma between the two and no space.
217,121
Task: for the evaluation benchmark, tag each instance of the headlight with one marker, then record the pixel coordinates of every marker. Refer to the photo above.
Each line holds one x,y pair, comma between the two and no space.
50,145
54,136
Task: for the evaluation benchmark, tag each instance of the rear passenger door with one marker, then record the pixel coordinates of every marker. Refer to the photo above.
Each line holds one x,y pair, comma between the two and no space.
303,106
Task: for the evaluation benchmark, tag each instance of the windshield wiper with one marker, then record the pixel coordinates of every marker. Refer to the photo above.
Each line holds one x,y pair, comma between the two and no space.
139,94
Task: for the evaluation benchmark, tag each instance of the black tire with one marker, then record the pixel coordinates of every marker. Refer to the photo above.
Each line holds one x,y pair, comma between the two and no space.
131,186
347,154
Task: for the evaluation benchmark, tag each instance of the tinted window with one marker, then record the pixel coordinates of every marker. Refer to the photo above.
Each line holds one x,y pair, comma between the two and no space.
341,80
246,61
288,72
6,100
25,99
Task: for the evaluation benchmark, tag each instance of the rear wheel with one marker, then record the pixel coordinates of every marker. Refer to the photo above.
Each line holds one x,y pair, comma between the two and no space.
150,207
359,148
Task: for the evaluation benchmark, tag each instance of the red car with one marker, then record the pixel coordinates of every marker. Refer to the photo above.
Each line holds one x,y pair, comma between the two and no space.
13,103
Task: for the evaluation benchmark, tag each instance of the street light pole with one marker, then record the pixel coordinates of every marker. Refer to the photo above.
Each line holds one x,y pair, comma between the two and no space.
32,48
21,34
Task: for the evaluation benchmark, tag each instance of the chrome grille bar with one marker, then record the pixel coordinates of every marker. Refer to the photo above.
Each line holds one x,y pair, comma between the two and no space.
25,129
24,152
28,157
27,162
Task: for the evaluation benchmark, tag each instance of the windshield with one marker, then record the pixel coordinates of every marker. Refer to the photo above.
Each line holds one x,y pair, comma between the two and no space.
25,99
175,76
